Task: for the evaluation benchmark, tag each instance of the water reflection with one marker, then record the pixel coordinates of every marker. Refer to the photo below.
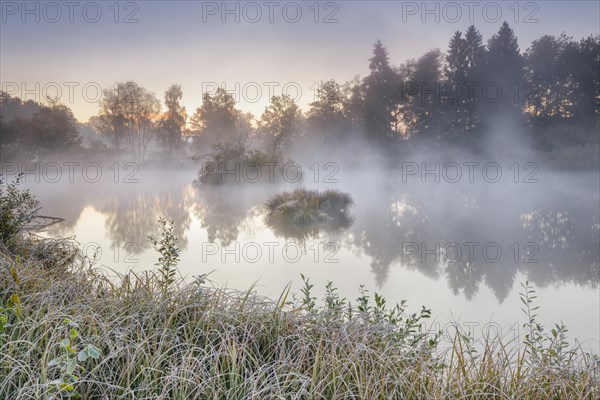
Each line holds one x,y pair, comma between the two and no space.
548,233
471,236
223,211
132,216
131,211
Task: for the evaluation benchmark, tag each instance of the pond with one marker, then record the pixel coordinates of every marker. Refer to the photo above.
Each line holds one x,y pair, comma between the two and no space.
461,248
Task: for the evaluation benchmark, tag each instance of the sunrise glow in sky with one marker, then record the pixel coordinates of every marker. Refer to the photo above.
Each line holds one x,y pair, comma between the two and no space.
254,49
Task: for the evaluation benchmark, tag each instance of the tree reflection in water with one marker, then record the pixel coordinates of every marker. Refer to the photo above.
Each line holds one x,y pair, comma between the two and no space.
556,231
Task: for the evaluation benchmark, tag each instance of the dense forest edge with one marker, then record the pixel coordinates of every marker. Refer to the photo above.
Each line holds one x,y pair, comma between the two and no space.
478,98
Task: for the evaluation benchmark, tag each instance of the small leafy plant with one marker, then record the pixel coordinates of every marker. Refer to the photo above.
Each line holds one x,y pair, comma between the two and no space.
544,350
169,254
68,363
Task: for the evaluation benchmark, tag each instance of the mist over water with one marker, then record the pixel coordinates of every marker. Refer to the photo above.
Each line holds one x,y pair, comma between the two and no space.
454,233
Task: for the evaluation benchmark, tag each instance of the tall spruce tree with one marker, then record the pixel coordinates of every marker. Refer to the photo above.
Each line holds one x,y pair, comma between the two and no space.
456,73
504,66
379,95
471,91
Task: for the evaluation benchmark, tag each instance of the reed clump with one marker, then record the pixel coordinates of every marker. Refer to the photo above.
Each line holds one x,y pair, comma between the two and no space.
305,213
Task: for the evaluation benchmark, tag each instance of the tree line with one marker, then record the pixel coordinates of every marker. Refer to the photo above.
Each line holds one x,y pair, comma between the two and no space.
461,93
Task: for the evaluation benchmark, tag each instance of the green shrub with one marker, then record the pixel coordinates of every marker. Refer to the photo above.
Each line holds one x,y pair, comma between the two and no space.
17,208
234,161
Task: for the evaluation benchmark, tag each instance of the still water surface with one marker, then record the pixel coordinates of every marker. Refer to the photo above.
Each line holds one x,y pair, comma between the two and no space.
461,249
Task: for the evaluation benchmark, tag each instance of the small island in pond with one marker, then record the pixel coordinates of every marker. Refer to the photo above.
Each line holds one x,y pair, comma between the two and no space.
304,213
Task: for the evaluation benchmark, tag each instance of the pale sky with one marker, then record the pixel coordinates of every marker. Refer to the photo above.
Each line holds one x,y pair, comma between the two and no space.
273,48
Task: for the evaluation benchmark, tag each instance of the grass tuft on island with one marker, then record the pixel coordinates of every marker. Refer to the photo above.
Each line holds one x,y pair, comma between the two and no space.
68,330
304,213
